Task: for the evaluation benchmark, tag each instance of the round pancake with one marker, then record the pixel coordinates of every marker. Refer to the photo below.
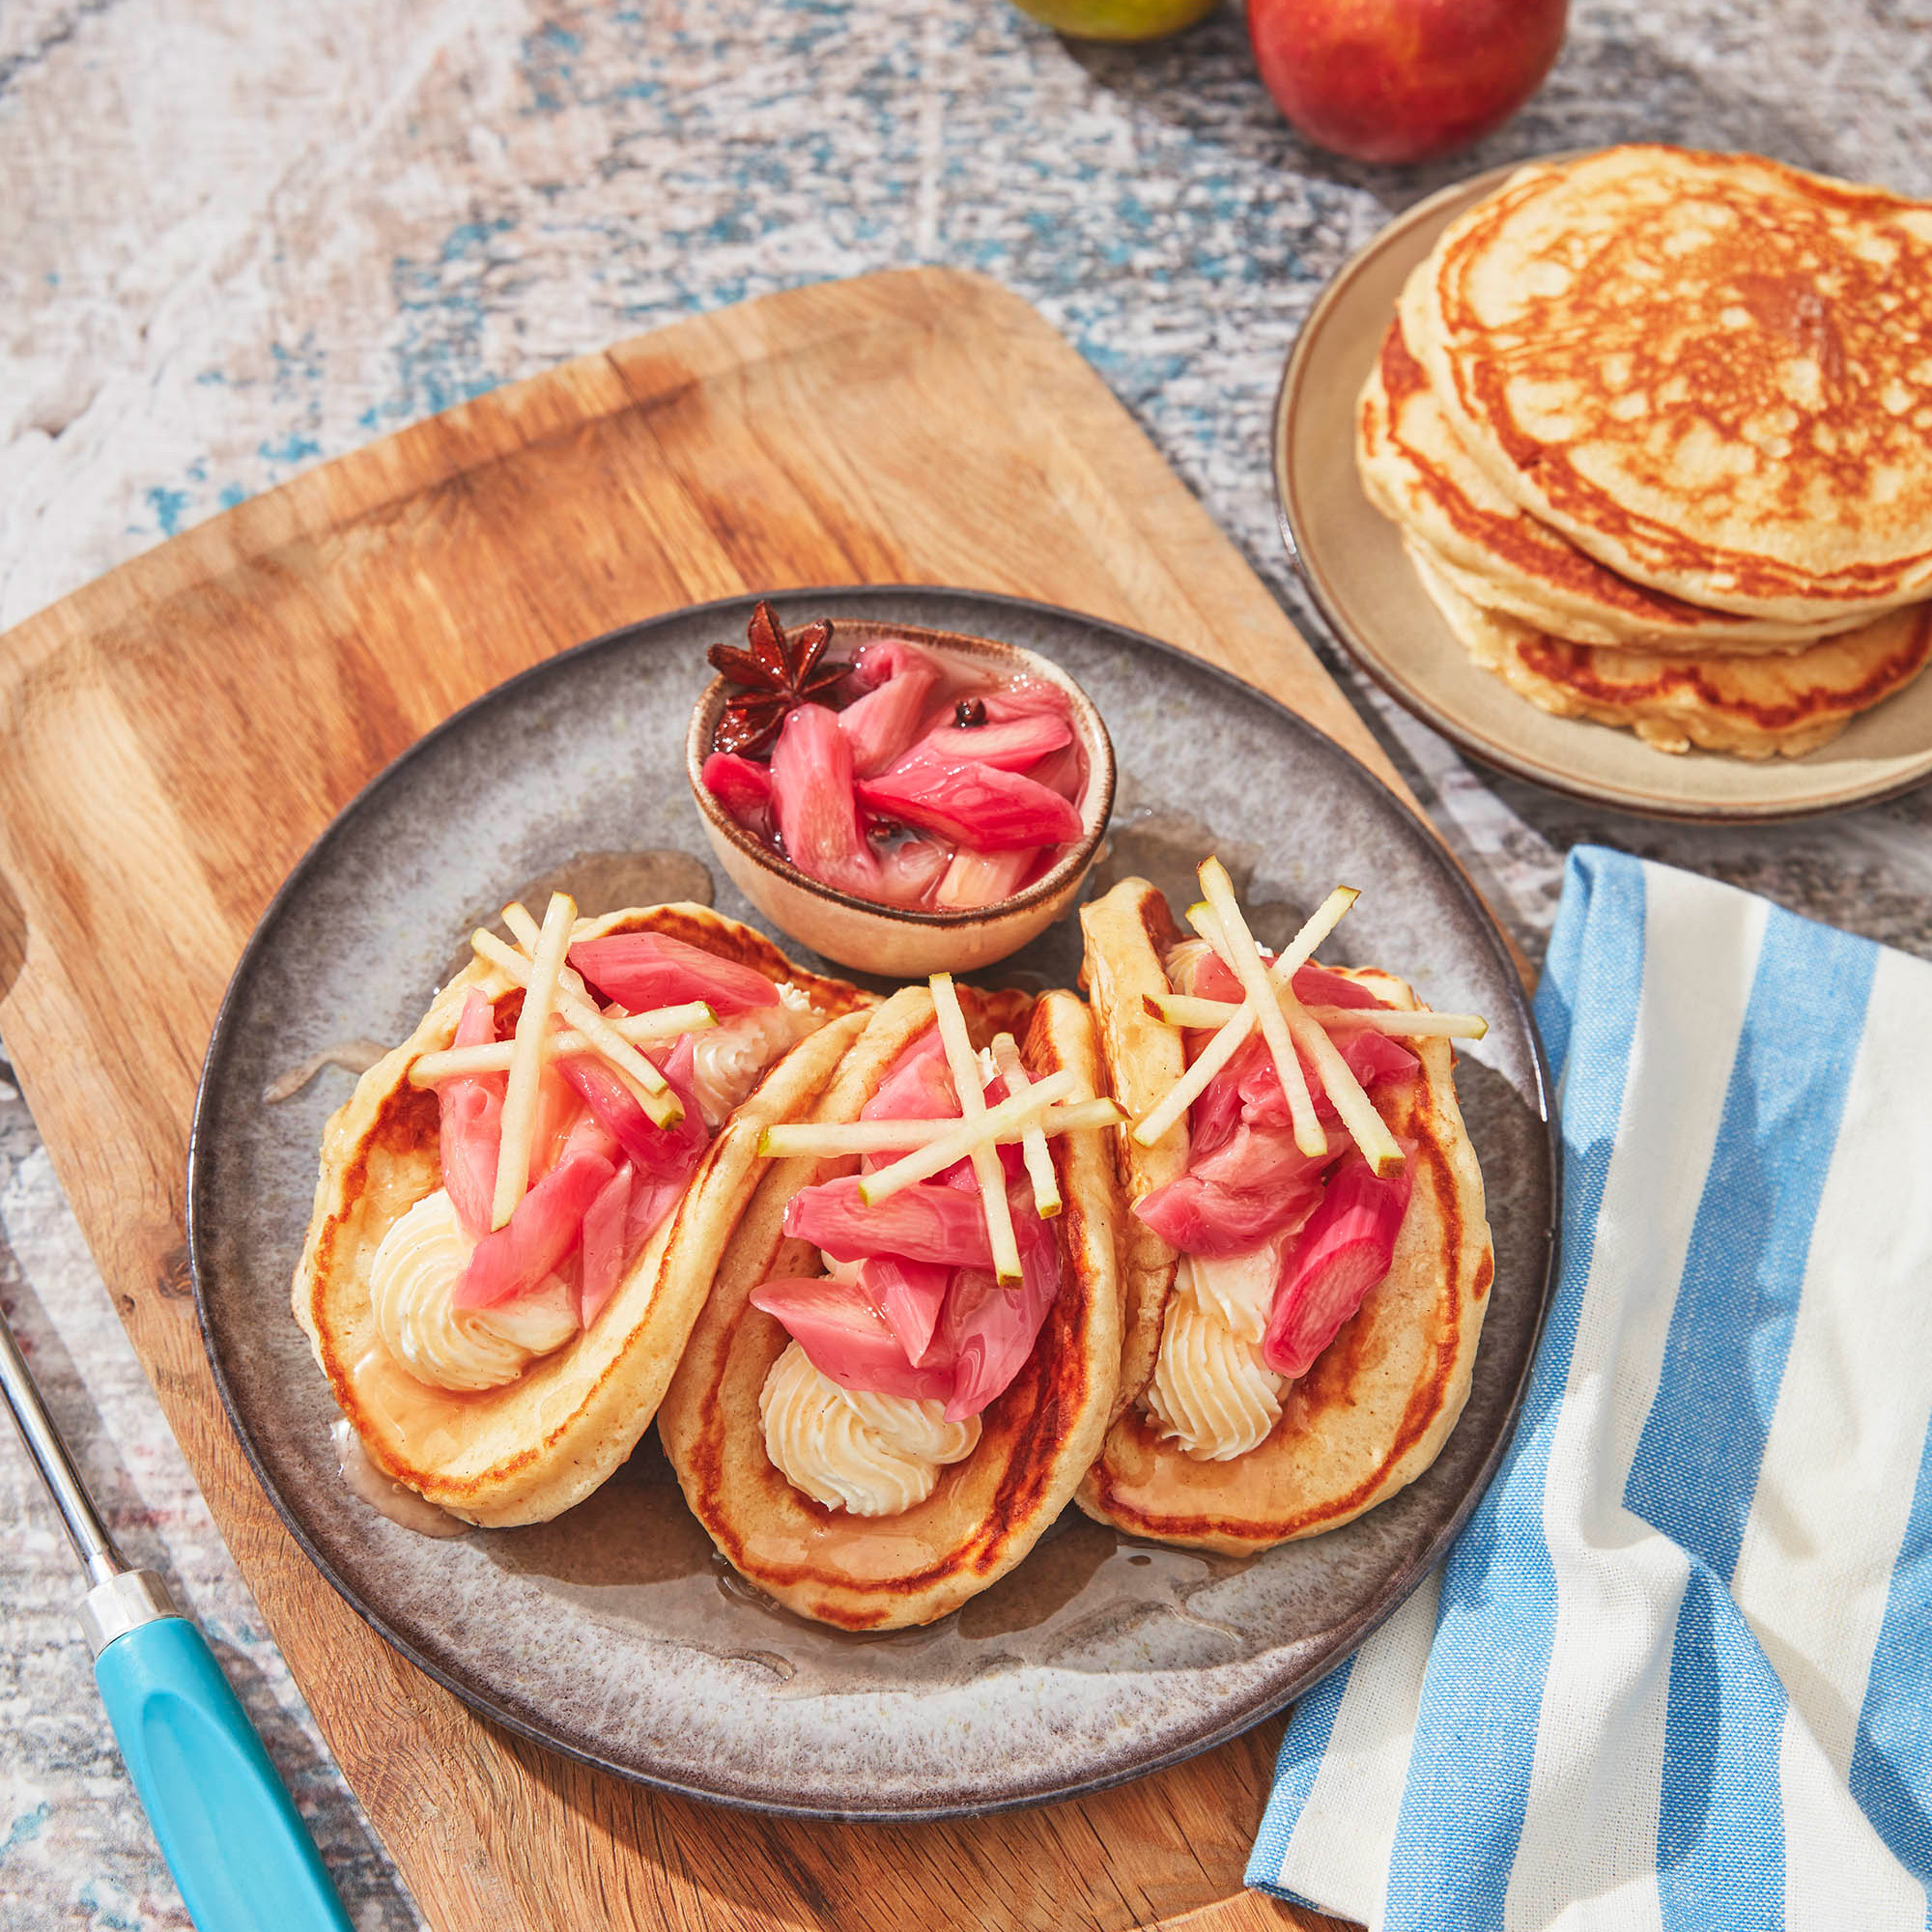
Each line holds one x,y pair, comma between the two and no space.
1036,1438
1129,933
1376,1408
1713,372
1417,473
525,1452
1752,707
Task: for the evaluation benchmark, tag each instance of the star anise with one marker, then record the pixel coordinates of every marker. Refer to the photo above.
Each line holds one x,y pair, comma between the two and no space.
776,674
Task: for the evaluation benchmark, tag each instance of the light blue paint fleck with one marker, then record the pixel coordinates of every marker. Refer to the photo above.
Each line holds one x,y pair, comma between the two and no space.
468,238
24,1828
293,449
304,359
210,377
232,494
547,68
169,506
102,1914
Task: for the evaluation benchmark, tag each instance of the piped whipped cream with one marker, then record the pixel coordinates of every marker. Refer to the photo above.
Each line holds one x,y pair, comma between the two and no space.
410,1282
730,1058
1211,1392
872,1455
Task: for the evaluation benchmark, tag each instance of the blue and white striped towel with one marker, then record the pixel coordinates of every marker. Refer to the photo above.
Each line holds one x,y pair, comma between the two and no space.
1677,1671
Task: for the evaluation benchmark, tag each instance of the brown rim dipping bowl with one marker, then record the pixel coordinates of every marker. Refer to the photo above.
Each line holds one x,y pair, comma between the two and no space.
895,941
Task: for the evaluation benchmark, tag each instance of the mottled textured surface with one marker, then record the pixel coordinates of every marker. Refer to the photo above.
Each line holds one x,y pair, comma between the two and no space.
239,240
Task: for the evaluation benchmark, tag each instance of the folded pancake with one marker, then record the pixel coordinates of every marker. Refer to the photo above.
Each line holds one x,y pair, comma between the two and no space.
1752,707
529,1447
975,1503
1372,1411
1129,930
1709,371
1417,473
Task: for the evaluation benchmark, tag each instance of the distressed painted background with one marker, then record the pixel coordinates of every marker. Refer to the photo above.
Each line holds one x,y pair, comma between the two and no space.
238,238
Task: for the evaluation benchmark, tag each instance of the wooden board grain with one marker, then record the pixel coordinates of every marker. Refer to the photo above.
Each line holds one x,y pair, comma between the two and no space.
175,735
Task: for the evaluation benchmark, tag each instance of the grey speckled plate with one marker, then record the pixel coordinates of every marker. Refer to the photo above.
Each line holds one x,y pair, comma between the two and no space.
1351,558
614,1634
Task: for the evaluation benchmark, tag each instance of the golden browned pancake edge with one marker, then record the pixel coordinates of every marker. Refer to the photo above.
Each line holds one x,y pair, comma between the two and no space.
526,1451
886,1573
1749,707
1416,473
1129,933
1375,1411
1708,370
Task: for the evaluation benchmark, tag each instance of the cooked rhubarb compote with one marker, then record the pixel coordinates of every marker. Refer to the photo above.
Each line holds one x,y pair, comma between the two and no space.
940,1267
915,780
1278,1246
1287,1214
584,1082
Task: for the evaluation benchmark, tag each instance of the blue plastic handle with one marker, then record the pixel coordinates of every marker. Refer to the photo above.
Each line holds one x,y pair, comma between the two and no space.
239,1852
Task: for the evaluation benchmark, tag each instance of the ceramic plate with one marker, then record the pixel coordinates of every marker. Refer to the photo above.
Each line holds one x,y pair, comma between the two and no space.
1353,560
614,1634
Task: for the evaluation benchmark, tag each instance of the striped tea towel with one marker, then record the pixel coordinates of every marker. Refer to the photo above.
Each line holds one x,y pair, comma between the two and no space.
1677,1671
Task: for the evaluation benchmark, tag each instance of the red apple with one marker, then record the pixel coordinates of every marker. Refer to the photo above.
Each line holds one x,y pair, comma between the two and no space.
1403,80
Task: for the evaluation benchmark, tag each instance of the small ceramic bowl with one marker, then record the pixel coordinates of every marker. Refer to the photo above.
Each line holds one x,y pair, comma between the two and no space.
893,941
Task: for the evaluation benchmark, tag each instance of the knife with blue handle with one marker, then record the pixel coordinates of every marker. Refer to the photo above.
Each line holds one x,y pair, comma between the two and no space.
236,1847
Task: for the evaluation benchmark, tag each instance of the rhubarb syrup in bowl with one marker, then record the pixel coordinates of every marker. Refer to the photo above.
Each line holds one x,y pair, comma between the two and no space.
937,808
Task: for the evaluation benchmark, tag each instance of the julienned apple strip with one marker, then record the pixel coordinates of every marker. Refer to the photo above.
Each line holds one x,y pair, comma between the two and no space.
1182,1009
1357,1112
458,1062
830,1140
655,1098
992,1177
934,1153
1225,1043
1033,1151
1236,946
527,1056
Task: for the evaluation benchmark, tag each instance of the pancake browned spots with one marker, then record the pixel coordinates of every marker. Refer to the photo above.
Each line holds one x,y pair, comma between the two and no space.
1709,371
1581,670
1752,707
1506,536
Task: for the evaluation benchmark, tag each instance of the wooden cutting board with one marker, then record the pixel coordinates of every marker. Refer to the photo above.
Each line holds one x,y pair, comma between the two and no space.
175,735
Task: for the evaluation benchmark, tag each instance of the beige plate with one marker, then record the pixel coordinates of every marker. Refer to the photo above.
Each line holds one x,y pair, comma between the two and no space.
1351,558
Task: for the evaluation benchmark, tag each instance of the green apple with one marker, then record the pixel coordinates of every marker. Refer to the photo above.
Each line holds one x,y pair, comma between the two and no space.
1117,20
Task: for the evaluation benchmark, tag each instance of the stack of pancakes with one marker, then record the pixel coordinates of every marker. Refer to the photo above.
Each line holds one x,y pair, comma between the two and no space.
1657,429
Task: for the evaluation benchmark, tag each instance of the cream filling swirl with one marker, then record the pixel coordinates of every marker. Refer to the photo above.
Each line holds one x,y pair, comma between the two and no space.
411,1279
730,1058
1211,1391
872,1455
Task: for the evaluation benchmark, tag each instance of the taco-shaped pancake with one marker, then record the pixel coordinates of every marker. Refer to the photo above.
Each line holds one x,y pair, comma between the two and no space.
1128,933
870,1425
1317,1340
504,1371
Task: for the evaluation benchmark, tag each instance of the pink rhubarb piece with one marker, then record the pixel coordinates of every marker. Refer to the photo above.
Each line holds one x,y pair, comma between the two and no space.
471,1123
644,971
972,803
1345,1251
818,817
